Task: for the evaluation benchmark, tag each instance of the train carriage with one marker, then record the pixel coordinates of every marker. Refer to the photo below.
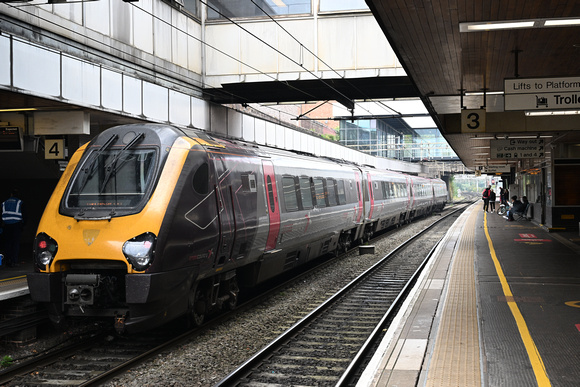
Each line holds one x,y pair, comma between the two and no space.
150,222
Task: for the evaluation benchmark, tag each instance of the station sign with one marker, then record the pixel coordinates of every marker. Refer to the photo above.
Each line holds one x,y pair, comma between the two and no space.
517,149
54,149
495,169
542,93
473,121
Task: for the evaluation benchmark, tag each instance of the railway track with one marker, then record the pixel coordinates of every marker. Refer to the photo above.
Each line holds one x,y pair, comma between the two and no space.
100,357
330,345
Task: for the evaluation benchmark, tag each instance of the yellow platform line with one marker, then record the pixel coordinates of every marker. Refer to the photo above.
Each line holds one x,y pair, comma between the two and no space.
456,356
12,278
533,354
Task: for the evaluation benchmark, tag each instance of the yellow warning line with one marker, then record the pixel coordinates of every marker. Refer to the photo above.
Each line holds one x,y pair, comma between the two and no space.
13,278
535,358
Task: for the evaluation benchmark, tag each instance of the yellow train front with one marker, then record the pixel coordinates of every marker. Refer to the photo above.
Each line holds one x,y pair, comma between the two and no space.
108,244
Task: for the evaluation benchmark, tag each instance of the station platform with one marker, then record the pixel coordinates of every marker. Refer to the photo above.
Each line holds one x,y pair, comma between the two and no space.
13,280
498,306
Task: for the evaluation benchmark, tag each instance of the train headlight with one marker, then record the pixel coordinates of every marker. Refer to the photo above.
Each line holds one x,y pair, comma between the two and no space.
45,249
139,251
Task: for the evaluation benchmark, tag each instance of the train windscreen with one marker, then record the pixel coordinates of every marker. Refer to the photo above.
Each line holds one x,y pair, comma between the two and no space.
113,179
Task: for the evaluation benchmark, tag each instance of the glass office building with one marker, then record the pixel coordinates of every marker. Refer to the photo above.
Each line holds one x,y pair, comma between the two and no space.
394,138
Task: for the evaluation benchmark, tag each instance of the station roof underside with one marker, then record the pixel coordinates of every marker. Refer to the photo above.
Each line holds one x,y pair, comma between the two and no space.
343,90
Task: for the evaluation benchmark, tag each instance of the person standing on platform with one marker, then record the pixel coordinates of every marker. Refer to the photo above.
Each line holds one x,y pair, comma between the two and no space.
12,223
506,196
491,201
485,196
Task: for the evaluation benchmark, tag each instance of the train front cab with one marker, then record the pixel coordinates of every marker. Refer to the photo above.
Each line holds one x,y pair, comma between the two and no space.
97,252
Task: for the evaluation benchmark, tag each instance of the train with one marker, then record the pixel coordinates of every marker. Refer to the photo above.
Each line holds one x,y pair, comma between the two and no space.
150,222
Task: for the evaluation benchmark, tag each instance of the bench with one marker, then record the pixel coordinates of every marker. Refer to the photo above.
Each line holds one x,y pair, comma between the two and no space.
522,215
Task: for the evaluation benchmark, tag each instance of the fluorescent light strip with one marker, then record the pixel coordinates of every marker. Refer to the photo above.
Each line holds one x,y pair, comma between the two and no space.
552,113
516,24
17,110
491,26
561,22
478,93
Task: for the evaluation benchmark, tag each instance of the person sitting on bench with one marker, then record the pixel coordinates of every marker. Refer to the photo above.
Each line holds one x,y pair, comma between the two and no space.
517,207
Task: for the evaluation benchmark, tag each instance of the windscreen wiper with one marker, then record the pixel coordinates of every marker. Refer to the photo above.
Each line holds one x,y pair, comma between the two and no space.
92,167
111,168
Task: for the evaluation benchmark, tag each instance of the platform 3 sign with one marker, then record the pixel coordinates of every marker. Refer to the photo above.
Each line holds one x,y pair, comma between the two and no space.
542,93
517,149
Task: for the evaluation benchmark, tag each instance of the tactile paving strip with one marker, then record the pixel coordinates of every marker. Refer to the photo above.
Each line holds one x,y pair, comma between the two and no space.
456,356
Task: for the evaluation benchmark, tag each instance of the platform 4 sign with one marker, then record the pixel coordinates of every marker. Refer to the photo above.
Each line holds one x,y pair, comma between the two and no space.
517,149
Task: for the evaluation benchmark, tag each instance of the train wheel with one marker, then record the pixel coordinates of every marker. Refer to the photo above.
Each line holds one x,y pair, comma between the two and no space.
196,306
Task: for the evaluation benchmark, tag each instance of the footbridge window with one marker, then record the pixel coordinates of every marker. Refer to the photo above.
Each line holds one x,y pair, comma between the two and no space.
220,9
343,5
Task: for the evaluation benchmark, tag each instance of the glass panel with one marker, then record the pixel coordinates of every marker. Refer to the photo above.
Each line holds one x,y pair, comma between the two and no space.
320,193
271,194
190,6
341,192
105,183
290,198
331,191
342,5
220,9
305,193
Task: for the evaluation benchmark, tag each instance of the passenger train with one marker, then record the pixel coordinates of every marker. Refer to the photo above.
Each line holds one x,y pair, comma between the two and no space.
150,222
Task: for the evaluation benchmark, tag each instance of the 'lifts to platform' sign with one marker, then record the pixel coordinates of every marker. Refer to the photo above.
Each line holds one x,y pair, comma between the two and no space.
517,149
542,93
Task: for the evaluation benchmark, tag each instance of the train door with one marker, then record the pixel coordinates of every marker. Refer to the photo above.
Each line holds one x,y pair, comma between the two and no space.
224,200
272,202
359,196
371,196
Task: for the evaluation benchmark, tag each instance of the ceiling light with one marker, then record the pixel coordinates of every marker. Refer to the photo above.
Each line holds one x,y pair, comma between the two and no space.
17,110
552,113
477,93
480,147
498,25
480,154
515,24
561,22
482,138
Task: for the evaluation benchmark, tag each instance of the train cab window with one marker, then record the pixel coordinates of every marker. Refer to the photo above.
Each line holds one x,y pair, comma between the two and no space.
201,179
319,192
305,193
331,191
98,185
289,189
270,193
341,192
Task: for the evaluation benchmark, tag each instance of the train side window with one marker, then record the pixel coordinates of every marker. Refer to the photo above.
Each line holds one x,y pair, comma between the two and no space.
271,193
305,193
289,189
319,192
331,192
201,179
341,192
